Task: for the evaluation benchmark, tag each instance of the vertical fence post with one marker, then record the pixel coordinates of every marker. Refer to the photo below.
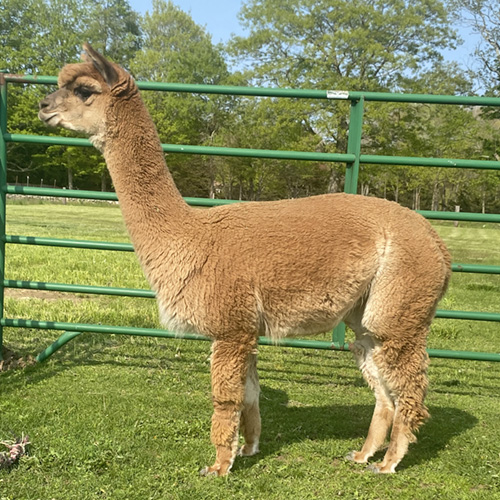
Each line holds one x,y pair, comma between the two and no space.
3,193
354,145
351,181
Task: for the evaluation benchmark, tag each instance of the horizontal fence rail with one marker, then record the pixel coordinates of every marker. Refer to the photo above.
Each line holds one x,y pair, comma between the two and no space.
71,330
352,158
281,155
56,242
92,289
290,93
127,247
143,293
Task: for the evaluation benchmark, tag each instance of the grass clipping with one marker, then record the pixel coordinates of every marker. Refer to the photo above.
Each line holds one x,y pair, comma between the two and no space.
11,360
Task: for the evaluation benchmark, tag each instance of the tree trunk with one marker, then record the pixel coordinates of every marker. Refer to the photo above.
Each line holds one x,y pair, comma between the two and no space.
444,199
251,188
104,182
457,209
212,170
416,198
70,178
435,196
333,181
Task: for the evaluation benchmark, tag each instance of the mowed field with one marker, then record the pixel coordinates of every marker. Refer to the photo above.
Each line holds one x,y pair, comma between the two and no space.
119,417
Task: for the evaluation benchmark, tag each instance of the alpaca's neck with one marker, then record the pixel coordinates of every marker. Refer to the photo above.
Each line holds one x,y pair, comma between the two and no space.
152,206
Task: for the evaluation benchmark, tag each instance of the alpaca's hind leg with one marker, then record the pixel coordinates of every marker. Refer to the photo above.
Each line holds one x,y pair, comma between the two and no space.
384,409
250,414
229,364
404,366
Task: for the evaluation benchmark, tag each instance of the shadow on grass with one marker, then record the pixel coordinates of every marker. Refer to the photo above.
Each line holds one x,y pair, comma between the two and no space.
14,380
283,424
93,350
99,350
445,424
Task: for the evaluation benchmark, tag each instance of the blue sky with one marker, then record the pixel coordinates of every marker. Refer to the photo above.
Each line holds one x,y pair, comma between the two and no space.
218,16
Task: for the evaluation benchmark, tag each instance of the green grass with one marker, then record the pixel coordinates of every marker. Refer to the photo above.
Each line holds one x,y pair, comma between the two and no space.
114,417
470,244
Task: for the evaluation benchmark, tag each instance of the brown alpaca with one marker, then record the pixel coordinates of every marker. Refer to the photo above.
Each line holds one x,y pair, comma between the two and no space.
291,267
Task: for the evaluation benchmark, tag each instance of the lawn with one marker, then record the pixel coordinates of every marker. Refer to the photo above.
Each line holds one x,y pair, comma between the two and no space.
113,417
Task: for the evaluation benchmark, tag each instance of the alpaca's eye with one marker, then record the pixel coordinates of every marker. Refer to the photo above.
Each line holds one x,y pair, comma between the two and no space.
83,93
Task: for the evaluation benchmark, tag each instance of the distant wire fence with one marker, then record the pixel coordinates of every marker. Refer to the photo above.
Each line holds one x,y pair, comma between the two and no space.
352,159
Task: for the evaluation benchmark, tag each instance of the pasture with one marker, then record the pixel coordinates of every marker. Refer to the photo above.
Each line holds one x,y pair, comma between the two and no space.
113,417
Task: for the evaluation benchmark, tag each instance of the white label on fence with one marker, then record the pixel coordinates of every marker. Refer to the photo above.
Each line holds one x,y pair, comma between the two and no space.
337,94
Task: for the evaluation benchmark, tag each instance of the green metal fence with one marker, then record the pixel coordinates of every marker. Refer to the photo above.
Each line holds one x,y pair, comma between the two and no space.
352,159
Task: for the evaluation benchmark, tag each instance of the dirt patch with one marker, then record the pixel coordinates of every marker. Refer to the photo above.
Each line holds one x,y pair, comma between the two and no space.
12,360
24,293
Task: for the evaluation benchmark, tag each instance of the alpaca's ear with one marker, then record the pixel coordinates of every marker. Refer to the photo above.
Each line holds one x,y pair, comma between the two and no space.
105,68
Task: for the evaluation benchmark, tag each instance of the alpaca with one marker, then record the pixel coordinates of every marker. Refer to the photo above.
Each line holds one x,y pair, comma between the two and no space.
290,267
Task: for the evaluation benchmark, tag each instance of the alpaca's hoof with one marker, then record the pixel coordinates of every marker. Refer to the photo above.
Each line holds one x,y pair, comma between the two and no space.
208,471
381,469
373,468
357,457
248,450
216,471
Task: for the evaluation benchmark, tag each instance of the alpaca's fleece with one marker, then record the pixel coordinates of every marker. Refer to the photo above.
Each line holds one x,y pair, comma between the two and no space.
293,267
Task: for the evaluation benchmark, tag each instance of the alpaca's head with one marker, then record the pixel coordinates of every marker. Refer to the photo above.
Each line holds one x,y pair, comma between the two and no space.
86,92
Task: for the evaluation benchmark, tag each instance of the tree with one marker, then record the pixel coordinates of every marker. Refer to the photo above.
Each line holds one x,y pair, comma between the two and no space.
371,45
483,16
340,44
38,37
264,123
114,30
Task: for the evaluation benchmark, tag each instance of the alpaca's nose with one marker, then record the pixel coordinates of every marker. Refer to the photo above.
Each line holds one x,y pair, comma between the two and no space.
44,103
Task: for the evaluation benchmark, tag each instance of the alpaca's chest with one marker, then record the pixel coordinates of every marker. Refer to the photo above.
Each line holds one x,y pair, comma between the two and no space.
182,306
179,316
175,278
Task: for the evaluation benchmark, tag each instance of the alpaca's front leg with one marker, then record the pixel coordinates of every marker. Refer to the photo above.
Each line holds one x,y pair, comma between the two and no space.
229,365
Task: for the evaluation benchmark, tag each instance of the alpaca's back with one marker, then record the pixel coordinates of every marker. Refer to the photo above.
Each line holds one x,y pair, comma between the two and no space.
298,266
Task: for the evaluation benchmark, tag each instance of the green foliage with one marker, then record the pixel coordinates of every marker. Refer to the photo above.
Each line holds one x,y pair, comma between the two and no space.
365,45
270,124
327,44
360,45
176,49
37,35
113,29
